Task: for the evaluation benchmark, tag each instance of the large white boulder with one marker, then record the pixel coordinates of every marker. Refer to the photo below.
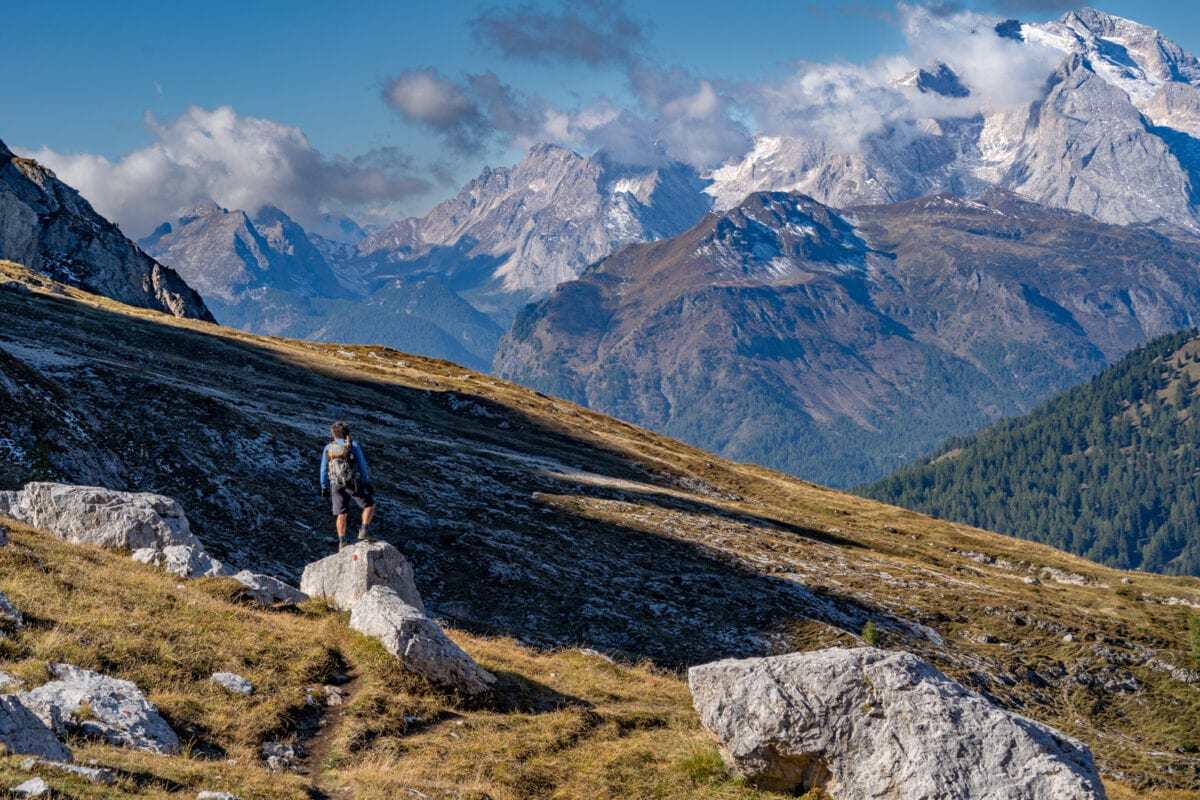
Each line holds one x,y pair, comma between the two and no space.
418,642
117,711
22,732
104,517
870,724
346,576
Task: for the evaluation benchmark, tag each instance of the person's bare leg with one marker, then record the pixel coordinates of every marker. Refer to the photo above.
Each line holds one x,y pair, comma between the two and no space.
341,528
368,512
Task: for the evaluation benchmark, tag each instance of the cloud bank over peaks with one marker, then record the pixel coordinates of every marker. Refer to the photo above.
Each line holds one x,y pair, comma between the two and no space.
235,161
678,117
840,104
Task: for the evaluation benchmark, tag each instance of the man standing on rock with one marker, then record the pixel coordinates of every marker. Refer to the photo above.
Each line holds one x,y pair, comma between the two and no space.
344,477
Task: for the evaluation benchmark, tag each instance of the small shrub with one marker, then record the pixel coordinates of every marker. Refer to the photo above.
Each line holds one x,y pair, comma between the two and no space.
870,634
1194,636
704,766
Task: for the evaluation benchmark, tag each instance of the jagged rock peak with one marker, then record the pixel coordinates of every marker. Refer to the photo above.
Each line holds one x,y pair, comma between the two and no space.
936,79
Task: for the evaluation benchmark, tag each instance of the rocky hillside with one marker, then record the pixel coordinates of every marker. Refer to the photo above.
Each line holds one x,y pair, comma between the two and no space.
1107,469
837,345
1144,87
532,518
47,226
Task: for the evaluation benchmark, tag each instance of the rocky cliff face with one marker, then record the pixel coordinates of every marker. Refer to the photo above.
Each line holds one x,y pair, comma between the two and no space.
225,255
541,222
836,346
1144,87
47,226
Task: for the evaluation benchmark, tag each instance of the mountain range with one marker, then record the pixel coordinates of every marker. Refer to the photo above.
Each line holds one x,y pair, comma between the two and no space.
829,396
1119,114
447,284
839,345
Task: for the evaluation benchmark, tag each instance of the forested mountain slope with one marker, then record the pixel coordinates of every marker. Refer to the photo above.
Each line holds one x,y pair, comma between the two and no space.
1108,470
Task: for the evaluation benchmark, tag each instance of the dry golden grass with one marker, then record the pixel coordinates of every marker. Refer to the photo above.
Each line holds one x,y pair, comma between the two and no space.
566,724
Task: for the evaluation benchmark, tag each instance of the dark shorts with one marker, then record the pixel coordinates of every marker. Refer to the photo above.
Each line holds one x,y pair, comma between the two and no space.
359,491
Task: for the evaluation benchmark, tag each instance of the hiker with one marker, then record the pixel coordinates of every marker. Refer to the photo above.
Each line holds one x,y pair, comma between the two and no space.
344,476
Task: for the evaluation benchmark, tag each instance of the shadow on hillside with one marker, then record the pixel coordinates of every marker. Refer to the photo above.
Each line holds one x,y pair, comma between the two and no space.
233,428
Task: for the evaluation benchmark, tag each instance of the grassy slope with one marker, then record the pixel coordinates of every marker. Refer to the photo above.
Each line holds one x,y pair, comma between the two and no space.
568,723
824,562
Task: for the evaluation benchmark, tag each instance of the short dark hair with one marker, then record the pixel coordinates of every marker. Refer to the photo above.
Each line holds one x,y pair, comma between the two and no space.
340,430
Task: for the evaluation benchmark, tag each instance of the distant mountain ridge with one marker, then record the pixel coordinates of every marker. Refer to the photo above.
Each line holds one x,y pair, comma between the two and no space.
48,227
547,218
835,345
1143,86
1106,470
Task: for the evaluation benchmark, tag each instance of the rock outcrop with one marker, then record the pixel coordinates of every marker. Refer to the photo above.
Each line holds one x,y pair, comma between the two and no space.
117,711
266,590
47,226
867,723
420,645
103,517
346,576
24,733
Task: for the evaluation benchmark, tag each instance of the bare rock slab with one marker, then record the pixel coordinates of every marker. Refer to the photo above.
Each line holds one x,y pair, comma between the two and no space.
104,517
871,724
23,732
418,642
118,712
267,590
346,576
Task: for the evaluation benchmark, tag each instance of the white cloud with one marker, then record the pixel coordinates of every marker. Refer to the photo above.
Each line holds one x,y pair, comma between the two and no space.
840,104
235,161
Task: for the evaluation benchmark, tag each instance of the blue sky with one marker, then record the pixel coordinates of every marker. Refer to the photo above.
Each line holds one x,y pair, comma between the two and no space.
391,106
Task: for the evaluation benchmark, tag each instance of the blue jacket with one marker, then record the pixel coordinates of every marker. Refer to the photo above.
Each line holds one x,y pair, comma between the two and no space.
359,459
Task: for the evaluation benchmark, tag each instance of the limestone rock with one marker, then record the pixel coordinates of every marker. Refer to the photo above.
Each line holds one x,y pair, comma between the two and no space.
10,682
346,576
267,590
279,756
100,775
867,723
34,787
4,530
186,561
417,641
118,711
10,617
21,731
216,796
232,682
104,517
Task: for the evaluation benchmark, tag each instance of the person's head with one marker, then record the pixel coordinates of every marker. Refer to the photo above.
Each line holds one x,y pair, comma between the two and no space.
340,430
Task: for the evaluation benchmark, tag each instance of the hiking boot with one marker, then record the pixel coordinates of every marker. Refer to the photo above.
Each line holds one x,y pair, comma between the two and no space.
341,543
362,535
